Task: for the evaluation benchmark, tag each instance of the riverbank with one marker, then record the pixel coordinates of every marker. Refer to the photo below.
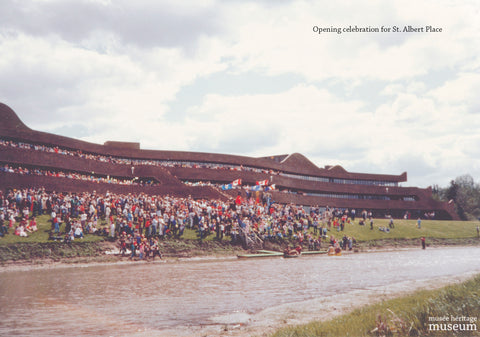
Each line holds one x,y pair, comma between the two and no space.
38,248
436,310
20,256
27,256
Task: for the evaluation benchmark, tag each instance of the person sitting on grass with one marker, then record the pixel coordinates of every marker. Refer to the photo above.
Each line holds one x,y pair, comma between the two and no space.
67,238
71,235
78,232
20,231
32,225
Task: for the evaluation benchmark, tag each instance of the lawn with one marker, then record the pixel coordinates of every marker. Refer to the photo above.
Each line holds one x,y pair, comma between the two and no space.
42,234
404,229
407,229
44,228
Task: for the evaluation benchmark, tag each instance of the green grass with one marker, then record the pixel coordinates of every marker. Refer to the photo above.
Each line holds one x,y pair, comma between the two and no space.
404,316
404,229
42,234
44,229
407,229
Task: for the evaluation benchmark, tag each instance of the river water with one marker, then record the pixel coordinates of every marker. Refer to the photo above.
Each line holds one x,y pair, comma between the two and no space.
148,298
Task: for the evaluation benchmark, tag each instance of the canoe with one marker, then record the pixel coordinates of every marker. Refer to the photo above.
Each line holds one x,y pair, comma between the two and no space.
313,252
291,255
248,256
272,252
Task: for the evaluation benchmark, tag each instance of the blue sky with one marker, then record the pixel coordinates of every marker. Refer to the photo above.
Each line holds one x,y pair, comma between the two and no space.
254,78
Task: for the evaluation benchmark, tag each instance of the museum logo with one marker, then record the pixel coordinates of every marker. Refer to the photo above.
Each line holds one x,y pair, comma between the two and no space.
452,323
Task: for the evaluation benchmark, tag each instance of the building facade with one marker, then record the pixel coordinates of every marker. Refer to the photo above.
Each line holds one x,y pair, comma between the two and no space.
32,158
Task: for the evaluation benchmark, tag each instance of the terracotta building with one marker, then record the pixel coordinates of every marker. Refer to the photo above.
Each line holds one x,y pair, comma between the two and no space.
32,158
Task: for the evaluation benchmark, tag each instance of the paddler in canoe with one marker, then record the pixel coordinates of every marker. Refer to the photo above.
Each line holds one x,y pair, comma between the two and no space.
334,250
294,252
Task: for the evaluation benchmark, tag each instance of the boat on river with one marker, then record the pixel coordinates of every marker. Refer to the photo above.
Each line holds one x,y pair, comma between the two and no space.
290,255
248,256
334,251
270,253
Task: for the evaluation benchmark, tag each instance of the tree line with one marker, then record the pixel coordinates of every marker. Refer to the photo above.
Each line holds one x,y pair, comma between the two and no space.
464,192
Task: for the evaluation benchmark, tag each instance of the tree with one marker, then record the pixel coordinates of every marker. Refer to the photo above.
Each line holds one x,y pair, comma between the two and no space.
466,195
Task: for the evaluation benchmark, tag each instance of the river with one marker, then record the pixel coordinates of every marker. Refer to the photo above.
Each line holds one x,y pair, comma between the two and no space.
184,297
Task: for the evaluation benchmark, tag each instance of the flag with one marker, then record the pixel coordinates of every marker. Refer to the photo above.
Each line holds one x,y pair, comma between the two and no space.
256,188
227,187
270,188
262,183
237,182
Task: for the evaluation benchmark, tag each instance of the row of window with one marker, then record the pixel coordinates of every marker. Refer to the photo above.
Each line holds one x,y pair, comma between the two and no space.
341,181
192,164
357,196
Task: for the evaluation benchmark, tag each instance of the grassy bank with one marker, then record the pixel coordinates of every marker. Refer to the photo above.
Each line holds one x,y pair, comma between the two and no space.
49,250
407,229
75,252
405,234
406,316
39,246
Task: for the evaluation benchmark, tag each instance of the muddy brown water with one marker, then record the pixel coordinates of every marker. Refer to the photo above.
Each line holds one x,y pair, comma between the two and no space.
147,298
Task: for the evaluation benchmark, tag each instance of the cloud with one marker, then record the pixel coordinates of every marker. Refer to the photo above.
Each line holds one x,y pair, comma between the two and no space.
299,118
253,78
142,23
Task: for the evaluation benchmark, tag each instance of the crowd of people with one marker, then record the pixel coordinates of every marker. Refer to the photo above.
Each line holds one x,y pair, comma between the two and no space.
95,178
130,161
135,162
140,220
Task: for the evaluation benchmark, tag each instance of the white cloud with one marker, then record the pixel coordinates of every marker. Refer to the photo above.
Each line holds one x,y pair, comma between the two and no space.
382,102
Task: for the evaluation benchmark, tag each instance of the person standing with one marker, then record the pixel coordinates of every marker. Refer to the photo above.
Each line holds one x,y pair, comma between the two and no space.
419,223
423,242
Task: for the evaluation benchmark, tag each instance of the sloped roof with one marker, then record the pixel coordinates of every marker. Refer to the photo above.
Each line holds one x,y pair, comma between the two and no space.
296,161
10,120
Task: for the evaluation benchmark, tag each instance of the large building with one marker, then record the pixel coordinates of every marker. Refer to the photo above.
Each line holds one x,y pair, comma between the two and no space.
32,158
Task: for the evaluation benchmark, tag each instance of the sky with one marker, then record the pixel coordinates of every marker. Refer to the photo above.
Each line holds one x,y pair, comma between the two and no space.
255,78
